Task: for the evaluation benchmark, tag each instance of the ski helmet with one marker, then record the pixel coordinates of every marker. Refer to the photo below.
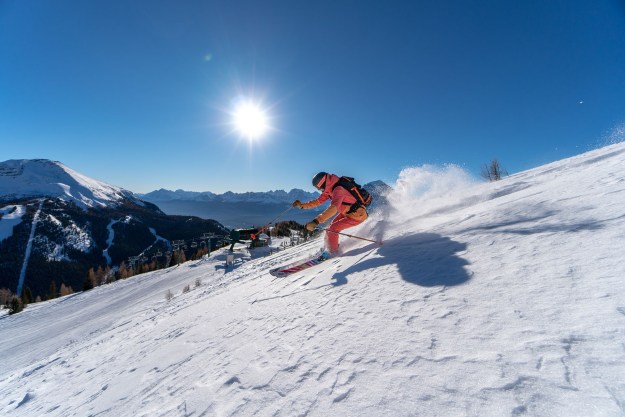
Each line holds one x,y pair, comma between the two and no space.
319,180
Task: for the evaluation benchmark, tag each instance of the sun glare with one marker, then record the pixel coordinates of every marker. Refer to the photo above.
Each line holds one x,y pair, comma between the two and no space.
250,120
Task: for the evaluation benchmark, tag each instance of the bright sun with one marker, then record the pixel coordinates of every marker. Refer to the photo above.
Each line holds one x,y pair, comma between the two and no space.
250,120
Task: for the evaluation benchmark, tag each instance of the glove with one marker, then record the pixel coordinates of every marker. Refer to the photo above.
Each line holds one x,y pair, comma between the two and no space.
310,226
297,204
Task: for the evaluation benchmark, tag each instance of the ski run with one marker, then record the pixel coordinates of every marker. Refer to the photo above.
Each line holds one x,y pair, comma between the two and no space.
486,299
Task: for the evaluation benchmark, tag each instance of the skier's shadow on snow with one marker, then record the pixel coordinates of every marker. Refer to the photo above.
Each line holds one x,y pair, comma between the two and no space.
425,259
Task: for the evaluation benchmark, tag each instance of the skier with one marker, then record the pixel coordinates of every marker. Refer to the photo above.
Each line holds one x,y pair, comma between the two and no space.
350,211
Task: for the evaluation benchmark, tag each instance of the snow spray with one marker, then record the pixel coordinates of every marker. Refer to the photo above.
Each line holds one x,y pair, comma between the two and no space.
418,194
430,190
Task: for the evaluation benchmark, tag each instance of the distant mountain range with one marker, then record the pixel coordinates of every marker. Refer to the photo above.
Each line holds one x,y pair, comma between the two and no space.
232,209
269,197
56,223
245,209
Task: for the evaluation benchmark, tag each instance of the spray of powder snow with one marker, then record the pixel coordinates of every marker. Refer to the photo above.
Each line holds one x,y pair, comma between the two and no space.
429,189
419,195
616,135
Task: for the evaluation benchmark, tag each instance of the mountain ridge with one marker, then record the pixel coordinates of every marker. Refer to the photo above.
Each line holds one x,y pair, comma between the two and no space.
27,178
272,196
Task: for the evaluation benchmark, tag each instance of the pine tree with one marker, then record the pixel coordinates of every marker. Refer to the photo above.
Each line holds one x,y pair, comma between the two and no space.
52,293
173,261
87,284
99,276
27,296
90,280
15,305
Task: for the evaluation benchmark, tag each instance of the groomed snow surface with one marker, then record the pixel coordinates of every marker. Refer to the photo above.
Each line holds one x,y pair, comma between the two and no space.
500,299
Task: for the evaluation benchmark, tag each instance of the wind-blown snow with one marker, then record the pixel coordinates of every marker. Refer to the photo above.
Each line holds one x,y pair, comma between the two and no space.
429,189
492,299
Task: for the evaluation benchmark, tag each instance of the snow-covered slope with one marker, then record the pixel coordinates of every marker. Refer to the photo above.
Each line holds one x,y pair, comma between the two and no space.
42,177
500,299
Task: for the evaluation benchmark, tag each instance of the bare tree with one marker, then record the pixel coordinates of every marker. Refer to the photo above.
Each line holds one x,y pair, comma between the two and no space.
493,171
99,276
109,275
65,290
123,270
5,296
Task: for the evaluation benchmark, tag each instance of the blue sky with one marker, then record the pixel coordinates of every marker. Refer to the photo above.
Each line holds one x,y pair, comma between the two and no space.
139,93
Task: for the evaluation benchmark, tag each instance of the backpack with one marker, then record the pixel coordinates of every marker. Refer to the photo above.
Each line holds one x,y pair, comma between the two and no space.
362,196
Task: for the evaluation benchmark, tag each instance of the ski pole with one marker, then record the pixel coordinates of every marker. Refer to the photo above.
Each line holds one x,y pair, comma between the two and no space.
276,218
379,242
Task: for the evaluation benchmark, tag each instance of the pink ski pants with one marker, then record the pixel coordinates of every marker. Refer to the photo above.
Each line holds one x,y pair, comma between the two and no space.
339,223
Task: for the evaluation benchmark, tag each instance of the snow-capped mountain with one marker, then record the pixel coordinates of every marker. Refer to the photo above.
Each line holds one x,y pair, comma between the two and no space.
486,299
23,178
56,223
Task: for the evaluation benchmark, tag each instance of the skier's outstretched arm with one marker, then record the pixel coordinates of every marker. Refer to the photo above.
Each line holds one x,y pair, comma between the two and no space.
312,203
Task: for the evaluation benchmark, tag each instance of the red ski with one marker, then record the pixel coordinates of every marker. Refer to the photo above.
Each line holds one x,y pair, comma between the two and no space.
284,271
